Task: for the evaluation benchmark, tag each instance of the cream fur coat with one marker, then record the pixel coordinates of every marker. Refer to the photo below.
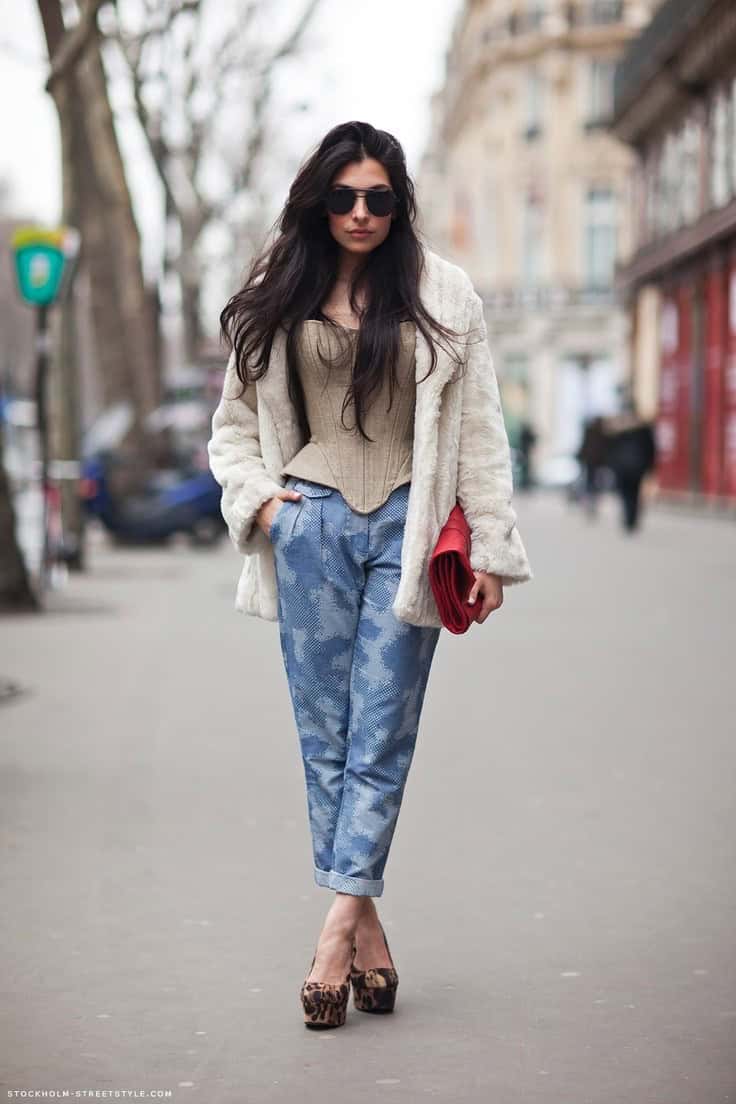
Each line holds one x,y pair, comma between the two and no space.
461,452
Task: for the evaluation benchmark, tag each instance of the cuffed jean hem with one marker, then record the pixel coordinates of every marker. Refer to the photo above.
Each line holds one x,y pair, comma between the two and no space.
343,883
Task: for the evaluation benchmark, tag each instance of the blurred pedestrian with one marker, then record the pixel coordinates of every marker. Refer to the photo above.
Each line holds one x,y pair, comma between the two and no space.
592,457
630,454
337,524
527,440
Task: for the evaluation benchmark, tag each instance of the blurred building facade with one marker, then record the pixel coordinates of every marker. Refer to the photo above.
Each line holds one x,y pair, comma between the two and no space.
675,102
523,184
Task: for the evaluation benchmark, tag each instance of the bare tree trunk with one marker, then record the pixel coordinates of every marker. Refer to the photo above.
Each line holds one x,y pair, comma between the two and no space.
190,279
64,404
178,160
64,423
15,587
123,235
97,200
84,208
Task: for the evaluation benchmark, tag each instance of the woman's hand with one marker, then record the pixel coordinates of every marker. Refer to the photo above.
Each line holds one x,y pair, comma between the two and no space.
490,588
267,512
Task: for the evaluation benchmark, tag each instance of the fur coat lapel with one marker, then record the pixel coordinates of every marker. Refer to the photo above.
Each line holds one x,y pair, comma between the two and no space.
273,387
250,444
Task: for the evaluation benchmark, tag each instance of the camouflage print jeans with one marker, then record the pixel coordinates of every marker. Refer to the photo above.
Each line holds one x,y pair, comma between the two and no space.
356,674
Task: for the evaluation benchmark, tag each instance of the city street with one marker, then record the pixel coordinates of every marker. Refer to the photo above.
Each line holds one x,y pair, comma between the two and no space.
560,896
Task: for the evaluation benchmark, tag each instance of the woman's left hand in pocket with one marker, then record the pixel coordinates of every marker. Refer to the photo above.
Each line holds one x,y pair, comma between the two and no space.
487,589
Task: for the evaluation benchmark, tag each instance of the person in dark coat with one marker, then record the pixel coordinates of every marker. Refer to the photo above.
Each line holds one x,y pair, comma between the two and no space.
592,457
527,440
630,454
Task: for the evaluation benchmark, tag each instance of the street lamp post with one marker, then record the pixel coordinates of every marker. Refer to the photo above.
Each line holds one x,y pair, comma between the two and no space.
44,263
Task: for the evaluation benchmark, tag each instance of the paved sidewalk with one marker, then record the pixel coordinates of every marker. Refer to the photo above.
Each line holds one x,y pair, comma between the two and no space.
560,896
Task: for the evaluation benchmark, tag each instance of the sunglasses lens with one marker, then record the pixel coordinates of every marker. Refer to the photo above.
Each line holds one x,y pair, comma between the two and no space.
341,201
380,203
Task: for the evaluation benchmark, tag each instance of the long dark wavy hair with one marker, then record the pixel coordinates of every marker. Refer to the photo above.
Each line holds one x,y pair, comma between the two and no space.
290,279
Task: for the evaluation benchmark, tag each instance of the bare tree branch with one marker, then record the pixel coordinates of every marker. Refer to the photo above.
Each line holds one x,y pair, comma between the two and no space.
158,24
256,138
74,43
292,41
179,84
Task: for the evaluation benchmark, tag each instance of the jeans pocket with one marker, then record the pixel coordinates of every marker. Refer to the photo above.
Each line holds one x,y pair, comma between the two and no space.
297,508
275,518
312,490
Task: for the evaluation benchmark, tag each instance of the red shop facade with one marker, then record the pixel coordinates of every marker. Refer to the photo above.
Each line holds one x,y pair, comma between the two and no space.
676,104
696,419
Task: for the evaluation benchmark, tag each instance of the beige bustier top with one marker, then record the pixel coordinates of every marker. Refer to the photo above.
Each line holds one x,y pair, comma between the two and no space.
365,472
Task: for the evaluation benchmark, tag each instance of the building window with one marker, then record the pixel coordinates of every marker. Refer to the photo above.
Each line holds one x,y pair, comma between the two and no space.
582,12
668,189
534,14
532,244
599,106
486,213
513,379
461,228
672,177
604,11
600,238
720,168
516,369
690,192
534,98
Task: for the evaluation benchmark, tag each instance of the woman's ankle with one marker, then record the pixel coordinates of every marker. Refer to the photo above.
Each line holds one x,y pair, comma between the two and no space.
347,910
369,919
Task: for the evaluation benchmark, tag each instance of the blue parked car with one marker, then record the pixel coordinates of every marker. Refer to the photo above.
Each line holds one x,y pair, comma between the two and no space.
183,498
172,502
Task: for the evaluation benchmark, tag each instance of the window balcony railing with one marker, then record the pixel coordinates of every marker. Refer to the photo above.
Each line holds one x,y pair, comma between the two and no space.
530,21
580,13
547,297
595,12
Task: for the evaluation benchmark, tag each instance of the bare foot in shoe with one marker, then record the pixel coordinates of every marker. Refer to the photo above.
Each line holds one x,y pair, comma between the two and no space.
371,953
335,946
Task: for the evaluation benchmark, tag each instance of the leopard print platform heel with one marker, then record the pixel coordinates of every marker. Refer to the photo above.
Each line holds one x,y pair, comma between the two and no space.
375,990
325,1005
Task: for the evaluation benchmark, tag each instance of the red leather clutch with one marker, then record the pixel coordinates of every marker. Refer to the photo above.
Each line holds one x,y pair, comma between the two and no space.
450,574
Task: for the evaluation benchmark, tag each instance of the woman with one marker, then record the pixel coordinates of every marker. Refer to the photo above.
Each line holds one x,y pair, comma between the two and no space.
359,405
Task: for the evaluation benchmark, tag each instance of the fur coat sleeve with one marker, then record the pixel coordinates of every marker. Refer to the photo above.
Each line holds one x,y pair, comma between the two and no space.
236,462
485,486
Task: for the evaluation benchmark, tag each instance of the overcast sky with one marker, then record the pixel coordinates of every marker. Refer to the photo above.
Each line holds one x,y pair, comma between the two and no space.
380,60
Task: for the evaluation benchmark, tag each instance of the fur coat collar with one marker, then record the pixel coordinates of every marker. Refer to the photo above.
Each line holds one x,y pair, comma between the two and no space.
460,452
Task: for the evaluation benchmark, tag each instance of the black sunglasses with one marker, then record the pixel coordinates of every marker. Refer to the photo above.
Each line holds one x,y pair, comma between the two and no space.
341,200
